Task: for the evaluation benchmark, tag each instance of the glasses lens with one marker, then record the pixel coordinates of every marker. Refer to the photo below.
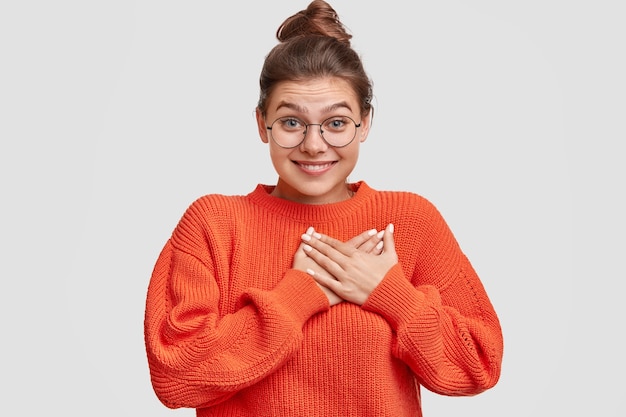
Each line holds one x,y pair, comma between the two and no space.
288,132
337,131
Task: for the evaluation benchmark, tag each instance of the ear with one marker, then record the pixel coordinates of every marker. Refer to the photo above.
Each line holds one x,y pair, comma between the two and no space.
366,123
260,122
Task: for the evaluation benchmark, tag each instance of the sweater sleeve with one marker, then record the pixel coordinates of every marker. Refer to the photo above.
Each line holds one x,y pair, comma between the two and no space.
446,329
198,358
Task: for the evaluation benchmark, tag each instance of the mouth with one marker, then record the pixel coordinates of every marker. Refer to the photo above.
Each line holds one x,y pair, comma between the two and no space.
315,168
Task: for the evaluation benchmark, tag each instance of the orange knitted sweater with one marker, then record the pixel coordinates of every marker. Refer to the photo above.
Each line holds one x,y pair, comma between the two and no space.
232,330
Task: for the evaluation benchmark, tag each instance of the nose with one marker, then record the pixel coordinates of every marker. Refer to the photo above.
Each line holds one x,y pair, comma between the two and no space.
313,142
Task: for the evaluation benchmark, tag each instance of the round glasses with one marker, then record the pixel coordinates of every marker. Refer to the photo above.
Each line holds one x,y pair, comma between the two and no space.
290,132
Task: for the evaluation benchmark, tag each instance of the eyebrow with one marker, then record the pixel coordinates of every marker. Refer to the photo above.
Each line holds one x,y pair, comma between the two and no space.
300,109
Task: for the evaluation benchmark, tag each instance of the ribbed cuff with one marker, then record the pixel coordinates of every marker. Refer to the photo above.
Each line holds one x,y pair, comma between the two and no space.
300,296
395,298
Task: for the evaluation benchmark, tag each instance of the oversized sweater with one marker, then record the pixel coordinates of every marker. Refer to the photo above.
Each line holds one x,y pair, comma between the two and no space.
232,330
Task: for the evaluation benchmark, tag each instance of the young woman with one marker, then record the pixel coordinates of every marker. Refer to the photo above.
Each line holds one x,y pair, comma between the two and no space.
315,296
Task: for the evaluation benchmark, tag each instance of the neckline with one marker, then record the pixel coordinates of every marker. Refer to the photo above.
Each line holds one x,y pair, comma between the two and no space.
311,212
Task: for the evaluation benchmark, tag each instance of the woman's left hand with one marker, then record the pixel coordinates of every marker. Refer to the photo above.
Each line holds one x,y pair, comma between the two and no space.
350,273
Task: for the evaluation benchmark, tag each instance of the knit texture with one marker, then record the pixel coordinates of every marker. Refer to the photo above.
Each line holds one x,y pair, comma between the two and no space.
232,330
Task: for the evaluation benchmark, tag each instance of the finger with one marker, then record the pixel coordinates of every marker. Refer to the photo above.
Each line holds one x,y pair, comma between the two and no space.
303,245
362,238
388,242
300,258
329,246
324,255
379,248
327,281
374,244
323,244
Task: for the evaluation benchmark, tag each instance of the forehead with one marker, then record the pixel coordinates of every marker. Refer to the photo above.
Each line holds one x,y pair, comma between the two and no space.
320,95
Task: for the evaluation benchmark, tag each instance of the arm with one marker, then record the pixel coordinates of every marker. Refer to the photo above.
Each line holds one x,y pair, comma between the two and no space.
447,330
451,339
198,357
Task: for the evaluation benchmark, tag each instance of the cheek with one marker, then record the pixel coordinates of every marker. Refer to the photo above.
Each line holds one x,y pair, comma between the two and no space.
351,151
279,155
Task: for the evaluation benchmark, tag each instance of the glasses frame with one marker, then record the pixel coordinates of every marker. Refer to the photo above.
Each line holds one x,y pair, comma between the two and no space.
306,129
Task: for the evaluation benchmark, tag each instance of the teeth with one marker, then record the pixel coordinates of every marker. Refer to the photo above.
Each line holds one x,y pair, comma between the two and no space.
315,167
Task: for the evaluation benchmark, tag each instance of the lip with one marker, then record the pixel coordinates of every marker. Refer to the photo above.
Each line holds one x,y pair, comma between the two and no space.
315,168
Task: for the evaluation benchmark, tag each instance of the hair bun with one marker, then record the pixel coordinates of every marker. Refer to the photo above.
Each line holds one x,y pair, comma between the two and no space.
318,19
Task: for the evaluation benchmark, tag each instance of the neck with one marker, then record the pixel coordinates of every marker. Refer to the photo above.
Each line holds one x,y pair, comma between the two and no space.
281,190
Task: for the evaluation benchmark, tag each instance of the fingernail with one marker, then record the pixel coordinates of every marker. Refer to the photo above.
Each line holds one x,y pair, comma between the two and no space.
307,248
306,237
371,232
310,230
310,272
391,228
317,235
380,234
379,246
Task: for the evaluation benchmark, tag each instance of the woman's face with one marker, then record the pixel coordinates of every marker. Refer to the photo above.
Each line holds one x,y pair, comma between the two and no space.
313,172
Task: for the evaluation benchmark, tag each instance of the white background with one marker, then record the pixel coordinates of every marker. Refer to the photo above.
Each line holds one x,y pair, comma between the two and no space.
115,115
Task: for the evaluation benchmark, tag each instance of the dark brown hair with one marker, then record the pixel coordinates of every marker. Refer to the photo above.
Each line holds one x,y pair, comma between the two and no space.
314,44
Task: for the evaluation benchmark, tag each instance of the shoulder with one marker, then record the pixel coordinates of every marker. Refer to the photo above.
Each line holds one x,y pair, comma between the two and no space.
213,209
228,205
216,203
408,208
406,201
209,218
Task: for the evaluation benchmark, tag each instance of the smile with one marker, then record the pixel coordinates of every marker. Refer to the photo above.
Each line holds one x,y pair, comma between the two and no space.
315,168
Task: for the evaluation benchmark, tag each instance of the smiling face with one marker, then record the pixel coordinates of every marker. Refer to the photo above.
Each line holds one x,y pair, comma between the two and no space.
313,172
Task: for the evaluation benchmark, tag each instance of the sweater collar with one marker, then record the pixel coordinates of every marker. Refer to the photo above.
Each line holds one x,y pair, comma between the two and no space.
311,212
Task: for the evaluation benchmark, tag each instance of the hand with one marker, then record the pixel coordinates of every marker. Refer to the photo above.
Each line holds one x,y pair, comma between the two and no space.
369,241
304,263
347,271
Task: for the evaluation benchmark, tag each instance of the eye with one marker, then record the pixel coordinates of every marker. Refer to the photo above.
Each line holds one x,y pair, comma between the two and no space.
336,124
291,123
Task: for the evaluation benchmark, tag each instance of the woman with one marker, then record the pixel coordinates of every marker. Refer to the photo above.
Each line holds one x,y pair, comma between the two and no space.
316,297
